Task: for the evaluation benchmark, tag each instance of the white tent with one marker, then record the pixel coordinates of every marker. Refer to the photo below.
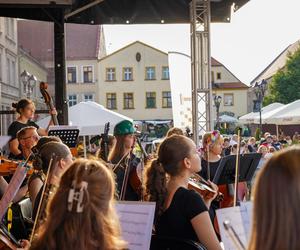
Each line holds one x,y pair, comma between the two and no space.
227,119
253,117
286,115
90,118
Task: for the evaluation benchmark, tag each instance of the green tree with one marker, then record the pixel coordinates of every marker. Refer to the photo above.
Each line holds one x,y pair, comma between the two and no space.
285,84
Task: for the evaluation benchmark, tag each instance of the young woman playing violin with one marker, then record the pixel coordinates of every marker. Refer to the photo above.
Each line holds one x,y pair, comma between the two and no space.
122,157
180,212
25,108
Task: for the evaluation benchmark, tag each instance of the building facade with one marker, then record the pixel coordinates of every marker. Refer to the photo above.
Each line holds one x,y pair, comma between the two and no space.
9,79
135,81
85,44
233,92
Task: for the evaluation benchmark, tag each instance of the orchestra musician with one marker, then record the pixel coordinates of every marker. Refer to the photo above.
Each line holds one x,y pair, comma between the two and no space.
36,180
25,108
63,159
89,222
180,212
122,157
27,138
276,218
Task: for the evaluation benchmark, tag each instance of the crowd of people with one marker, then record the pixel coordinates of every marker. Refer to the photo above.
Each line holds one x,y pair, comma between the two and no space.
73,199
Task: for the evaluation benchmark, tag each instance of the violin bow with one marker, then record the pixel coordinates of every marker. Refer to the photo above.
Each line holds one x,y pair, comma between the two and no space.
237,164
38,214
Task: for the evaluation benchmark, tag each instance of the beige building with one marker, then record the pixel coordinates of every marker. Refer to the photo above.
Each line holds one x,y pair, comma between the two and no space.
9,78
134,81
234,93
85,45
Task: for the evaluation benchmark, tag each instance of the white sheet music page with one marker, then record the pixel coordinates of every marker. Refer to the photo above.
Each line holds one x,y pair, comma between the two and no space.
12,189
136,219
246,213
233,215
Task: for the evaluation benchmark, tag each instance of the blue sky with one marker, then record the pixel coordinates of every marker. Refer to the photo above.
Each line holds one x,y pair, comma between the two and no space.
258,32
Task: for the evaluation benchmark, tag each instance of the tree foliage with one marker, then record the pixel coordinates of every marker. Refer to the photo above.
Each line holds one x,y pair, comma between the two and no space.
285,84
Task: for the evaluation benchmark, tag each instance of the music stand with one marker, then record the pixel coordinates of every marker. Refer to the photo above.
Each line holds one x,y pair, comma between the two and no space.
225,173
68,134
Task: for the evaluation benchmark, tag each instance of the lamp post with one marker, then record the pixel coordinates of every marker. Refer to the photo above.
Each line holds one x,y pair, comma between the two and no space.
217,101
29,81
260,90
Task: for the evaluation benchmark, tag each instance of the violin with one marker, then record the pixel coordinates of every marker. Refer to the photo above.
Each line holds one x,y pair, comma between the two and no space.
48,100
8,167
201,186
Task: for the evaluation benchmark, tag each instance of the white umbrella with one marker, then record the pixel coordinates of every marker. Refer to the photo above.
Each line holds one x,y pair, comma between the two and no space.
253,117
287,115
227,119
90,118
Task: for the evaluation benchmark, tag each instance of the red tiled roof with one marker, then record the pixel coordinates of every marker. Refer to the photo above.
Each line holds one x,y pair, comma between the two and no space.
82,41
230,85
214,62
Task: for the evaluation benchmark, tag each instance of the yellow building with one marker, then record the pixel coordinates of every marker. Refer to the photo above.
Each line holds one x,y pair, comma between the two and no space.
134,81
234,93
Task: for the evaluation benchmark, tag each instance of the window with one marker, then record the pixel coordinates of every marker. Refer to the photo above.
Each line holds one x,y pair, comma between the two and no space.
87,74
165,73
166,99
110,74
111,100
88,97
150,100
212,77
150,73
72,100
218,76
128,101
13,73
72,75
127,74
228,100
1,65
8,70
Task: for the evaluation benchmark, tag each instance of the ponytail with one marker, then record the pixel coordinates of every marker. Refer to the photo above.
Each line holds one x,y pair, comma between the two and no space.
156,186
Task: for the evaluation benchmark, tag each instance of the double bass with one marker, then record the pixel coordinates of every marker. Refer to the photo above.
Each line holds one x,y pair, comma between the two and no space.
48,101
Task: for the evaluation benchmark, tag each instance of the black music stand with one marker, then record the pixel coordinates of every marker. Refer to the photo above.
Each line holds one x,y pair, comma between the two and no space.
68,135
225,173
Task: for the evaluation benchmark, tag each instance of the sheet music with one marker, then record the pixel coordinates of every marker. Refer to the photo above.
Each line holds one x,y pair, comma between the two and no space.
246,213
4,140
232,214
136,219
12,189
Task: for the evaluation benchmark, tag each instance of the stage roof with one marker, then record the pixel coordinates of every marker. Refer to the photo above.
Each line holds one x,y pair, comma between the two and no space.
116,11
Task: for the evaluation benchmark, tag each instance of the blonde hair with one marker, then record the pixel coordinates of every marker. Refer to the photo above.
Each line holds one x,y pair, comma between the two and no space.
97,226
276,217
210,139
174,131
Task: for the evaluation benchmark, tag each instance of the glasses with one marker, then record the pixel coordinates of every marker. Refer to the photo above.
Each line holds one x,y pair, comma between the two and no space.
35,137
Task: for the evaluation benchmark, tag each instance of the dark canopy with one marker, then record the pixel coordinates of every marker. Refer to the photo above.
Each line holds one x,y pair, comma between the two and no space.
116,11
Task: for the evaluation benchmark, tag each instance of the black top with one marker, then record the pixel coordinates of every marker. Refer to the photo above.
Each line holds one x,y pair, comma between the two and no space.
176,220
16,126
130,194
213,166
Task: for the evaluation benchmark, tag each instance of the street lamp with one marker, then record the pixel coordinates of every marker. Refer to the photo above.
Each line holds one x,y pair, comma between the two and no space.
29,81
217,101
260,90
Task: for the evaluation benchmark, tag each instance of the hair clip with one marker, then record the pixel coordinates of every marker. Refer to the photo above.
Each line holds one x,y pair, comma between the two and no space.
77,195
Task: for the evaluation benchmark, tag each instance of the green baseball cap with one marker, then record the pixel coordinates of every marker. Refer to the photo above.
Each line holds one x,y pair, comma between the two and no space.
124,127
